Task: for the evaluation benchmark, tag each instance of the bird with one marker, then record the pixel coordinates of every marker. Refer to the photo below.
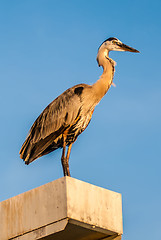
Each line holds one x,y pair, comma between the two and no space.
66,117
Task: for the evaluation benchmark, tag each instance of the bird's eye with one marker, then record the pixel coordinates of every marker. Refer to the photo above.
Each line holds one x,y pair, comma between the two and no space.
114,41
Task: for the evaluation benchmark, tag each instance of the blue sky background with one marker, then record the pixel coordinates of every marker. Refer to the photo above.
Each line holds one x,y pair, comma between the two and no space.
47,46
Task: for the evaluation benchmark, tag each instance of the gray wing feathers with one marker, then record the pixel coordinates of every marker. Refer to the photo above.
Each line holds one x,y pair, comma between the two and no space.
55,118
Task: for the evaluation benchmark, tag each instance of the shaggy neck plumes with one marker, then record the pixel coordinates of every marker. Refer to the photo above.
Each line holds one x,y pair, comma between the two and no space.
105,81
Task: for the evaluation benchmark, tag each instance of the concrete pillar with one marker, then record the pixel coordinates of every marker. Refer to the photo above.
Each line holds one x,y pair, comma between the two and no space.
65,209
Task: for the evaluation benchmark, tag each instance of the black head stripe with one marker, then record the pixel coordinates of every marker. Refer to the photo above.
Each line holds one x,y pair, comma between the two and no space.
108,39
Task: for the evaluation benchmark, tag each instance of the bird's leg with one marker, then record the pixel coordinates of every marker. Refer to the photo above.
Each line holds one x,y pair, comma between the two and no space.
67,159
64,161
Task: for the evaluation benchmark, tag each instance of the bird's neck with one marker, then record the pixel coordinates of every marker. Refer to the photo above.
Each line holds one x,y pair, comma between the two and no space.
106,79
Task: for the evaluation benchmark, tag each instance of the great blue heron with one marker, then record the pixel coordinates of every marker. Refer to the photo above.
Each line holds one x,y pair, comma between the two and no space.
69,114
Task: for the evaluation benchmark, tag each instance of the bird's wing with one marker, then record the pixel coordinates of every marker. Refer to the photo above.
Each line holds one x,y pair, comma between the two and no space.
58,114
55,118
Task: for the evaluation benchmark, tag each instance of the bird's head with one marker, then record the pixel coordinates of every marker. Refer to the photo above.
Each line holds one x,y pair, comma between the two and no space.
114,44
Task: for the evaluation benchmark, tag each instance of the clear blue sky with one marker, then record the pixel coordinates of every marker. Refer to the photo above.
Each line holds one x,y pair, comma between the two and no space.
47,46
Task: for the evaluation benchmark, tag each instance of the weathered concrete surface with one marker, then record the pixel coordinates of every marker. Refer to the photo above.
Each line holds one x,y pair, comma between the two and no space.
63,209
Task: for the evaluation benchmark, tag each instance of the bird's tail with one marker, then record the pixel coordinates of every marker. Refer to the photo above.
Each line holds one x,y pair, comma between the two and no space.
31,151
25,150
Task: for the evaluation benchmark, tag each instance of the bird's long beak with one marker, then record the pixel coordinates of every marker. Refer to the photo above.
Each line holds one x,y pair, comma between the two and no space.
124,47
